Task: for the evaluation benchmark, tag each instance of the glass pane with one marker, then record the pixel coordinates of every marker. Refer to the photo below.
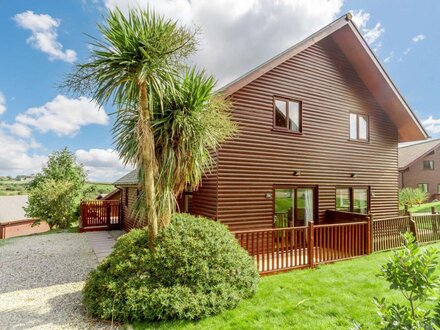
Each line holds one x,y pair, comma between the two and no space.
280,114
363,128
353,126
305,206
423,187
360,200
294,116
428,164
343,199
284,206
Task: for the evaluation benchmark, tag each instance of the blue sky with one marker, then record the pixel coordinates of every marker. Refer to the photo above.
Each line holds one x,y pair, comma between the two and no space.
42,40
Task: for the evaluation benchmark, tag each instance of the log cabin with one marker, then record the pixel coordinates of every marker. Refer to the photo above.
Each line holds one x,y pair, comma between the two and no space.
319,127
419,167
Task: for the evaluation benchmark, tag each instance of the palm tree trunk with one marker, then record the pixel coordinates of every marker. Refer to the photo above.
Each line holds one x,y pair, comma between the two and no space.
146,158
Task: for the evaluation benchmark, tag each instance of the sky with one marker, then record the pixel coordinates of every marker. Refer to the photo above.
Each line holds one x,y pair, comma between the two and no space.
43,40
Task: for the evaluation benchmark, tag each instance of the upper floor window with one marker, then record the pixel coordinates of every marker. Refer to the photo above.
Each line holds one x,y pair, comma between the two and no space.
428,164
358,127
287,115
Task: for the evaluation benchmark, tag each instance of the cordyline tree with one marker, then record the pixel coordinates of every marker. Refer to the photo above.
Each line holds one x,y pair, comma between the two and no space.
168,119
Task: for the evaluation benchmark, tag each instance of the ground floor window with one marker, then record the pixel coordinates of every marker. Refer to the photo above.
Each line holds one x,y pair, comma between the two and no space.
352,199
294,206
423,187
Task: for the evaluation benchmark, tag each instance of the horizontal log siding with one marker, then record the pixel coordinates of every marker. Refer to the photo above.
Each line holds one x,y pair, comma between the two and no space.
259,157
204,201
128,221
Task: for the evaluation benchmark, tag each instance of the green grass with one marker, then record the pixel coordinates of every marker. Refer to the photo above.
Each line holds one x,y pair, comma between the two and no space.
13,188
425,207
328,297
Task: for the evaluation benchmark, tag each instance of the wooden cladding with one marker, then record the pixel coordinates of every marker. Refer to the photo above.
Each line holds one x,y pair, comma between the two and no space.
259,157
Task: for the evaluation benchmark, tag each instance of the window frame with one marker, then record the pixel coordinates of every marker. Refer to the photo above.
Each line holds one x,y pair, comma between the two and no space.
367,121
351,194
295,210
438,188
427,186
430,168
300,115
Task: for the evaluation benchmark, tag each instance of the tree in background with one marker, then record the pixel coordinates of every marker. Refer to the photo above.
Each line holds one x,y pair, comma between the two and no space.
140,67
55,192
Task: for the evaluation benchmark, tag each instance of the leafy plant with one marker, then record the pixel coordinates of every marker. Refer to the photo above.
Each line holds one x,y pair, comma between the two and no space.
410,196
412,272
163,108
55,192
420,196
197,269
54,202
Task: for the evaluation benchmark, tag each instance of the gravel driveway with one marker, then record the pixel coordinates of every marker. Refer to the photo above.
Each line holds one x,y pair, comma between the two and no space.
41,278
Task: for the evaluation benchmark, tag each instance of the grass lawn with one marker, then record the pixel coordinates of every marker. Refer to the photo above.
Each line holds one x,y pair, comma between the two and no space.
328,297
425,207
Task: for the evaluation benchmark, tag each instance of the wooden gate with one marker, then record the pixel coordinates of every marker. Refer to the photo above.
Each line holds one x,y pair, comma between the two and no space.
100,215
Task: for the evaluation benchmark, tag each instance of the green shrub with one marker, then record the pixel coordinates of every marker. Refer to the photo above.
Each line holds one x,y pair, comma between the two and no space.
412,272
197,269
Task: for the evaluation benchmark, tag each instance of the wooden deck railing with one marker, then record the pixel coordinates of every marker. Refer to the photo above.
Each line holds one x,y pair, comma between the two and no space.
427,227
387,233
100,215
281,249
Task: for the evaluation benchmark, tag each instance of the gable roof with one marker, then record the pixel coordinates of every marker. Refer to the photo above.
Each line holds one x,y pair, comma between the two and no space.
11,208
128,179
408,154
346,35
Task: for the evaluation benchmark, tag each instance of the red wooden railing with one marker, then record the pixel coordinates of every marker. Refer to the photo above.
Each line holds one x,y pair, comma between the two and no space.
387,233
281,249
100,215
427,227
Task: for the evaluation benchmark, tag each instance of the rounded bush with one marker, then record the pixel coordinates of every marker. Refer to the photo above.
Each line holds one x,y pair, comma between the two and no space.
197,269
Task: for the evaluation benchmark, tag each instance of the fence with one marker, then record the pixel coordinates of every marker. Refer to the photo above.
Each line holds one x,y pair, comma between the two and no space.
281,249
100,215
387,233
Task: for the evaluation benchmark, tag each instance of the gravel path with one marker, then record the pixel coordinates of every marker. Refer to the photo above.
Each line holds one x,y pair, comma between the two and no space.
41,278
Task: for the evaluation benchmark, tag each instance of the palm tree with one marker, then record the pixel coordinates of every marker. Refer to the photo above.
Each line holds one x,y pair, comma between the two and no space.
139,58
189,129
168,122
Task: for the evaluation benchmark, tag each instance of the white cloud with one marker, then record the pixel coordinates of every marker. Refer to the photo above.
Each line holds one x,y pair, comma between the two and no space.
18,129
18,155
64,116
406,51
371,35
432,125
419,37
2,103
255,29
44,35
102,165
389,58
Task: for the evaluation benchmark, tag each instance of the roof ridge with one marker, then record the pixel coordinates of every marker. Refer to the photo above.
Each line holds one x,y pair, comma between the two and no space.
419,143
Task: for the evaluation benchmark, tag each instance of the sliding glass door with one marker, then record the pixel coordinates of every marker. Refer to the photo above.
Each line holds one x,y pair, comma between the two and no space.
293,207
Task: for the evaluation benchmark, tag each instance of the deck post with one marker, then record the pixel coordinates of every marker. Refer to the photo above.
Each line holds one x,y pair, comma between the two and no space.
433,210
369,233
311,245
413,226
